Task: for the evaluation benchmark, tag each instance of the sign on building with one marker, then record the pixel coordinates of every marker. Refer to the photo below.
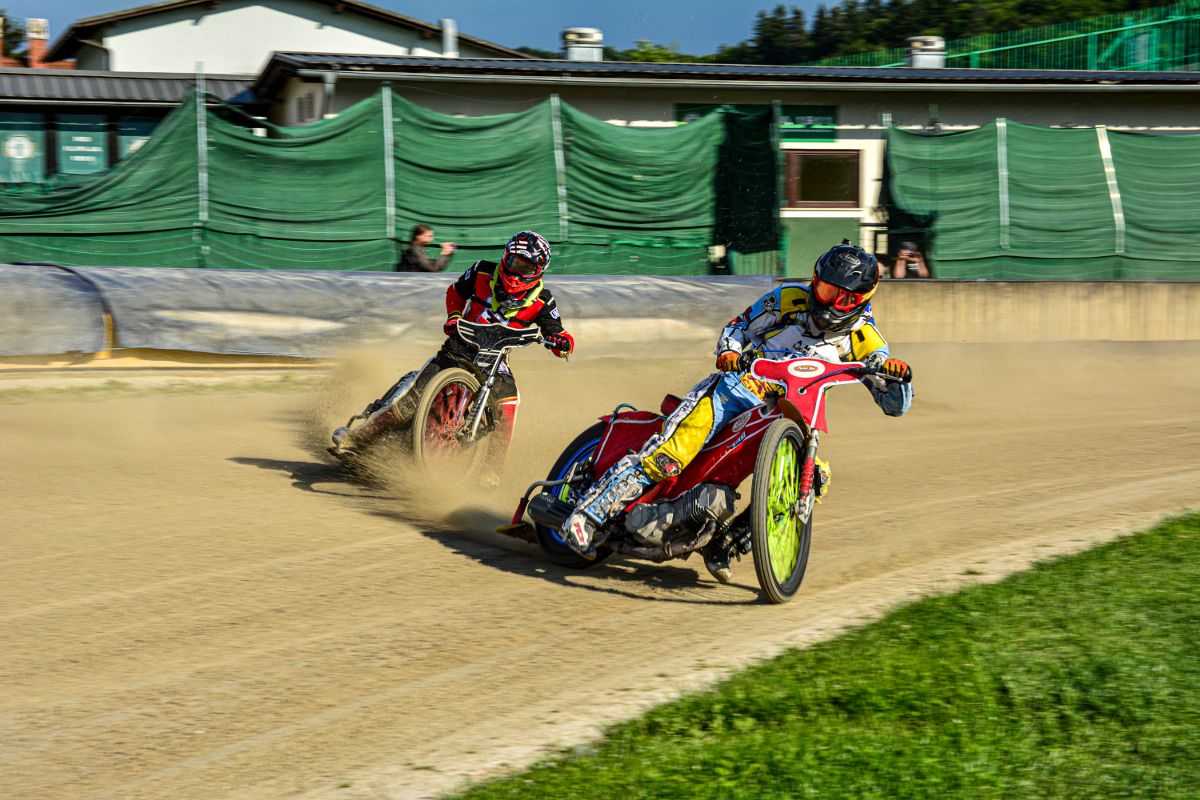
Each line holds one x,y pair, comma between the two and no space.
22,147
82,144
133,132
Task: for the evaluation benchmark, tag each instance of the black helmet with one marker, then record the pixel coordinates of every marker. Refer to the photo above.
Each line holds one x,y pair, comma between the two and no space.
844,278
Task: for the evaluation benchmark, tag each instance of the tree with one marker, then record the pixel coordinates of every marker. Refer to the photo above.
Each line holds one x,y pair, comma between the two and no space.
14,36
536,53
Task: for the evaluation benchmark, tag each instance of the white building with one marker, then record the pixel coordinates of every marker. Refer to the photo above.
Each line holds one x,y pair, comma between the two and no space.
237,37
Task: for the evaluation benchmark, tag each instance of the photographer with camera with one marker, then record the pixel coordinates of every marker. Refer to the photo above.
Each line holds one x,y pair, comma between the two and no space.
910,262
415,259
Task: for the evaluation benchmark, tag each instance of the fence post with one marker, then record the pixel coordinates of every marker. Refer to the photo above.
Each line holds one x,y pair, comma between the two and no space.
560,166
201,165
1002,168
1114,191
389,165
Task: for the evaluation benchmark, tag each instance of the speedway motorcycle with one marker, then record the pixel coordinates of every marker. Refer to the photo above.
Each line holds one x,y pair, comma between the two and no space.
776,442
442,416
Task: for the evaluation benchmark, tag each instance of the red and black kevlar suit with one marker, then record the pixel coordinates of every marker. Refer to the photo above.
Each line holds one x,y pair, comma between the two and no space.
477,297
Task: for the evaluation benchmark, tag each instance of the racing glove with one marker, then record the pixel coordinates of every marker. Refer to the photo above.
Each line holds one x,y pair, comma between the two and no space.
451,326
898,369
561,344
727,361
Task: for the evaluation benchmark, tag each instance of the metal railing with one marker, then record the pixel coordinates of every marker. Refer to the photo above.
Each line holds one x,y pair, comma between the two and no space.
1153,39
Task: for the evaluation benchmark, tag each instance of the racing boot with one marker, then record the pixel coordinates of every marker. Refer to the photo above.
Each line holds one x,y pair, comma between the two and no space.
347,441
716,561
619,487
499,441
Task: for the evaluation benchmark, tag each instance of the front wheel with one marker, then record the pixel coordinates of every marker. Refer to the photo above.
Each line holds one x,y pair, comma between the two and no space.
551,541
439,421
779,539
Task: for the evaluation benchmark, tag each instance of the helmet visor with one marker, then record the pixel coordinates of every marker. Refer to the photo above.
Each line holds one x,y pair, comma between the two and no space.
520,265
829,294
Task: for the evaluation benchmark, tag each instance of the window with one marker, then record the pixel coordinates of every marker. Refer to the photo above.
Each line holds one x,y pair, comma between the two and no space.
822,178
306,108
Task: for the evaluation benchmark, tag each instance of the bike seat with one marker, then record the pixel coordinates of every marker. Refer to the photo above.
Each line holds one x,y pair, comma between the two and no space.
669,404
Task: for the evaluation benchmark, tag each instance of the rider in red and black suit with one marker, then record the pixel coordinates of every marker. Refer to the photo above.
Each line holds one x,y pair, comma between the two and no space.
510,292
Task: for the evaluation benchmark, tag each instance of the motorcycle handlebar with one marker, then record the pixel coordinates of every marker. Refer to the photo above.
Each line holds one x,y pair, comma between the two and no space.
746,360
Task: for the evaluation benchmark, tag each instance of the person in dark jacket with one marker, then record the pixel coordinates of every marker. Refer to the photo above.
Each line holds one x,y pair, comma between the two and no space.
415,259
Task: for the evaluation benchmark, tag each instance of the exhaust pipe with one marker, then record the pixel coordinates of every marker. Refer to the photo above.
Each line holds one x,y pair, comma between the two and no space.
546,509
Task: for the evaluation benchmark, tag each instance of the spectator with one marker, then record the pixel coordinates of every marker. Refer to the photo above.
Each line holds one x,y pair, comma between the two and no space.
910,262
415,259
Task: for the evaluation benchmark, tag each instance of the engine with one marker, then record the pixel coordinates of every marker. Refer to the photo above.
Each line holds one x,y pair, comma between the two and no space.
654,524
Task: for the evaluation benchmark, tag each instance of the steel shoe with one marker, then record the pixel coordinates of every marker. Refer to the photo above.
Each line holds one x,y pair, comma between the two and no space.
717,564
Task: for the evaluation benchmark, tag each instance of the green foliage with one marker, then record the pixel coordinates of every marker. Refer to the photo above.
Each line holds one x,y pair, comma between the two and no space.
1076,679
14,36
534,52
785,36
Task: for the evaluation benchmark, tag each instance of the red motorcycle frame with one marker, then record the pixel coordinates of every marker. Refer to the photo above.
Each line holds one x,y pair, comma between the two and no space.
776,442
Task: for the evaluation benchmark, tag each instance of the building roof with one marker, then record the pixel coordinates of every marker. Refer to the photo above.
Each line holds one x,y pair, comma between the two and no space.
68,43
74,87
283,65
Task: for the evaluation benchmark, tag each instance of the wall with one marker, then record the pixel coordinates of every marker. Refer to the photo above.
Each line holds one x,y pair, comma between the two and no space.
810,235
237,37
49,311
1001,311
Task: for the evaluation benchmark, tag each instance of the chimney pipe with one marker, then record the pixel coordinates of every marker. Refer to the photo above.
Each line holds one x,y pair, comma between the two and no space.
926,52
38,33
583,44
449,38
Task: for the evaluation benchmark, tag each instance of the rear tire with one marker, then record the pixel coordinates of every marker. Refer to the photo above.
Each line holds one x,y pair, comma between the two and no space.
779,542
556,549
436,420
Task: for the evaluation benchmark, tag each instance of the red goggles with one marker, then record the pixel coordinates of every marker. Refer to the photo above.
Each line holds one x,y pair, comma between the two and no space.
841,299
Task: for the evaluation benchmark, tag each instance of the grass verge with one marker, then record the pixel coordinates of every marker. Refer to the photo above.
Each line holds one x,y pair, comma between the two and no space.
1077,679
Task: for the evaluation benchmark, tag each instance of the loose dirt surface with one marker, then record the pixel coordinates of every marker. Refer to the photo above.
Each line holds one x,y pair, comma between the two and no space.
196,603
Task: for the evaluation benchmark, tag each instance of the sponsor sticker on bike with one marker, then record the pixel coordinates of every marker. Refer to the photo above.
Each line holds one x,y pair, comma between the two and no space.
806,369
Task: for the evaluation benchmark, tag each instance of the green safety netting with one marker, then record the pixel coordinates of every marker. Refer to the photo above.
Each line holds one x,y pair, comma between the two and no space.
344,193
1013,201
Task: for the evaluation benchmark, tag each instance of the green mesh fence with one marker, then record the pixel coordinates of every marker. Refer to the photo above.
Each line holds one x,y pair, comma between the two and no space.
1162,38
344,193
1016,201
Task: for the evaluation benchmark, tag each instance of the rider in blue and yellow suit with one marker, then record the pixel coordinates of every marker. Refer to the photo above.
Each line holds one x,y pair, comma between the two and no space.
829,318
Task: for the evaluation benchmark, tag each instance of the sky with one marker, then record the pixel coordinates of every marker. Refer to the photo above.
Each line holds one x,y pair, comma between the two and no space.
696,26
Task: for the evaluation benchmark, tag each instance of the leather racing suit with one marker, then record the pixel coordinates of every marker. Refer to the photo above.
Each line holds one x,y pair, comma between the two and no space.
477,297
774,326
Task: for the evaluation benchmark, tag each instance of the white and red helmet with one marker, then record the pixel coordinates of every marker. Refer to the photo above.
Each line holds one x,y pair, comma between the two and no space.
525,259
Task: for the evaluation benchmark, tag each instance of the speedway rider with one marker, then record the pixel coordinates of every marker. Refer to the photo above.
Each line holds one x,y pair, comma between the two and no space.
829,318
509,292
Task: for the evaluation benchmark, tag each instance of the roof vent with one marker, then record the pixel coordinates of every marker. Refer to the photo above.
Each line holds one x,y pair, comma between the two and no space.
926,52
583,44
449,38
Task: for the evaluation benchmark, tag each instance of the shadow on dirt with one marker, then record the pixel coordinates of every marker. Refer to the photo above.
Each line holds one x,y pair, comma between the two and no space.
308,476
469,533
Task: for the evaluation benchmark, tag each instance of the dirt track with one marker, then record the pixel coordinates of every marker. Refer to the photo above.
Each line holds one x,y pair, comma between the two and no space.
195,604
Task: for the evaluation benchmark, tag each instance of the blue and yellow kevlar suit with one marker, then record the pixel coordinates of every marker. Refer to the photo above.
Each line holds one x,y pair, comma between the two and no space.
775,326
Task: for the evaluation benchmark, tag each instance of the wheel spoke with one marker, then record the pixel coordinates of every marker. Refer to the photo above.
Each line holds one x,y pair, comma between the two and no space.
783,527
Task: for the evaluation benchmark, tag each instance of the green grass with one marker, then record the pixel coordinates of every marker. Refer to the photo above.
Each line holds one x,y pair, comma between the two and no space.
113,388
1077,679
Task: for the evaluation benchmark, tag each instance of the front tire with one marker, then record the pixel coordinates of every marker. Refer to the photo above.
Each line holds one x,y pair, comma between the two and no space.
556,549
779,540
440,415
